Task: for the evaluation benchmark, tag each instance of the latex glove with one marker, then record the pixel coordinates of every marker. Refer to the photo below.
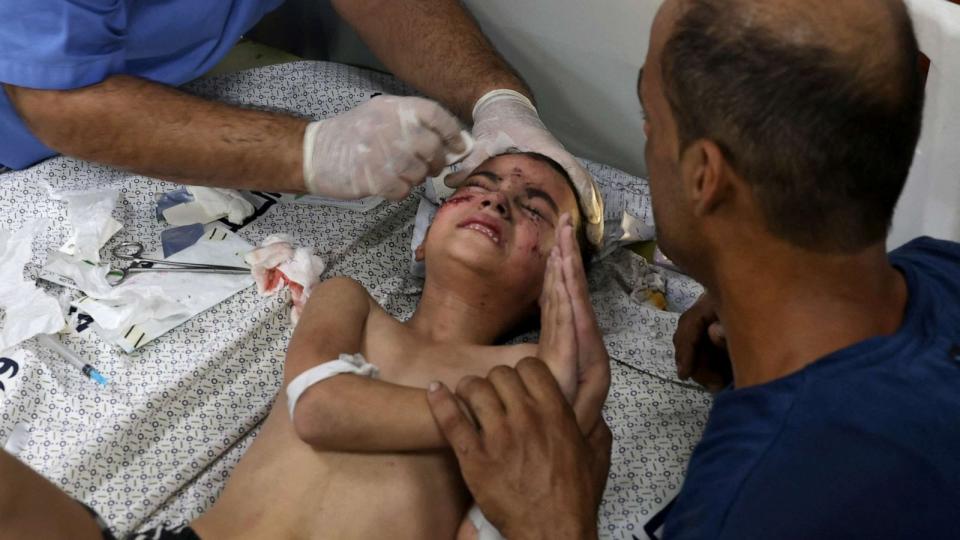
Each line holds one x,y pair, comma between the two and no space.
505,120
384,147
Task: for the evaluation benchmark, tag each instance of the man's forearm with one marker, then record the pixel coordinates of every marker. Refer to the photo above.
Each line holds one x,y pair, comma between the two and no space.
435,45
154,130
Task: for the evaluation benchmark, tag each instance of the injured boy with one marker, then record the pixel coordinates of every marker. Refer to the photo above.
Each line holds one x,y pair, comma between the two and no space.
351,449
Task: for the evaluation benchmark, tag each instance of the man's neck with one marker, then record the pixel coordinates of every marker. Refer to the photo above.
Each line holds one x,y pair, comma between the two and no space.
784,308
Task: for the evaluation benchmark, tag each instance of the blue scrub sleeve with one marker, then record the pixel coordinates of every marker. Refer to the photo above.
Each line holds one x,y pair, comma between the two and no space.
61,44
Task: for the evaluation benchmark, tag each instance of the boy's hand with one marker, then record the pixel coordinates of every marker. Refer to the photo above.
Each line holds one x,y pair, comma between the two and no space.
558,340
593,363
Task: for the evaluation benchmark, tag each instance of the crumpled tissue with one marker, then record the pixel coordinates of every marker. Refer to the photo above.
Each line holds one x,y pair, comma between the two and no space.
90,214
27,310
207,204
147,305
126,304
277,263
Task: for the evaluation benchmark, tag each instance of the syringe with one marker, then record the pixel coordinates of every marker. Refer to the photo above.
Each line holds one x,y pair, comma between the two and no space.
58,347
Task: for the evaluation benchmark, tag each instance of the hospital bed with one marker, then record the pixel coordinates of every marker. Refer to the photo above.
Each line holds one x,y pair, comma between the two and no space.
159,441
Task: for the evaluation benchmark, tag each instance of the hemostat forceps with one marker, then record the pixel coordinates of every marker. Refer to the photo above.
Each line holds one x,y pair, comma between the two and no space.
131,251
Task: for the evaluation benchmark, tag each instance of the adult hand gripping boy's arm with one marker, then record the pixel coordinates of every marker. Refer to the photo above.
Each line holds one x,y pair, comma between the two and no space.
522,455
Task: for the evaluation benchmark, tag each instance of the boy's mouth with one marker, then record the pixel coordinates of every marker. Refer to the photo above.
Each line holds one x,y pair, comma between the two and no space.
484,225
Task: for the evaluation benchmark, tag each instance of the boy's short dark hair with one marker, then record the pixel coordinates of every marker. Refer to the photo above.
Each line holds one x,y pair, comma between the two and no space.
587,249
825,142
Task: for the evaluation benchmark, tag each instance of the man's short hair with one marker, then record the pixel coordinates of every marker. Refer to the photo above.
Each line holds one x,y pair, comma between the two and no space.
826,143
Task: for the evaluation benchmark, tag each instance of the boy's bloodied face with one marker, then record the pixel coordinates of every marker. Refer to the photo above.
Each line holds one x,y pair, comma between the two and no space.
502,221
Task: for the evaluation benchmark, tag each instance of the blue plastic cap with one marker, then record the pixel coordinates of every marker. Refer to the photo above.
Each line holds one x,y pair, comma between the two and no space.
98,378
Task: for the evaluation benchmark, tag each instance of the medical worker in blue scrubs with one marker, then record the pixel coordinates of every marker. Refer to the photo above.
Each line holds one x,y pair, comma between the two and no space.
97,80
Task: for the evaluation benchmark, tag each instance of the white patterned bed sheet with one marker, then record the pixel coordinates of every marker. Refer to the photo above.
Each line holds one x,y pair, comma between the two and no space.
158,444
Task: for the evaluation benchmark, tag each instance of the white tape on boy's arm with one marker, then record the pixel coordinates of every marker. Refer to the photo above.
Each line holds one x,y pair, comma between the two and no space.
345,363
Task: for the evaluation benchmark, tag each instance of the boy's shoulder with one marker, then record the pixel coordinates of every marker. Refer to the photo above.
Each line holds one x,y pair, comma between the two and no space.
344,299
344,284
343,291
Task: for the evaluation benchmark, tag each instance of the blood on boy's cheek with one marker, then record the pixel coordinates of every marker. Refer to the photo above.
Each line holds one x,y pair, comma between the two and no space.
455,200
534,241
531,233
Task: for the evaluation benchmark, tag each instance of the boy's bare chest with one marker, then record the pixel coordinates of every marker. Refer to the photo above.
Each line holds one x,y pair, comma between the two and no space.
404,359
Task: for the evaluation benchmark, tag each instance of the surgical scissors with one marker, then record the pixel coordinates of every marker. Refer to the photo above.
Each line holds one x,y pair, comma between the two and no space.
131,251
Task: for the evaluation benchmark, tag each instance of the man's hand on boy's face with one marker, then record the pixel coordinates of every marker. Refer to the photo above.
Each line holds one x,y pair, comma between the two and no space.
592,360
527,464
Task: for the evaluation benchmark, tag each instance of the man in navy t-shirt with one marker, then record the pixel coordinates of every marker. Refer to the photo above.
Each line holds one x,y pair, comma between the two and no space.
861,443
779,137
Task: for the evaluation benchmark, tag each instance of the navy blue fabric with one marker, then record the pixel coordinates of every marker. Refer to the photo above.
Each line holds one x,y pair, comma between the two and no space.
64,44
864,443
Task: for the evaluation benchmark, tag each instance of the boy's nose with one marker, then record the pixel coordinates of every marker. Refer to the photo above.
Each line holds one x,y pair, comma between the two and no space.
498,203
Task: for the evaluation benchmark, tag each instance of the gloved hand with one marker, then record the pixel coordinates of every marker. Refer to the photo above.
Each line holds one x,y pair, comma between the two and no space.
384,147
504,120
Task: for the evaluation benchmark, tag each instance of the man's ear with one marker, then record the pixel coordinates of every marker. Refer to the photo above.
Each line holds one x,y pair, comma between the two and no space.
703,168
418,254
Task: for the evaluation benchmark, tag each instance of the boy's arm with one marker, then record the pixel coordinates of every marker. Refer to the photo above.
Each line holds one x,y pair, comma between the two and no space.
349,412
